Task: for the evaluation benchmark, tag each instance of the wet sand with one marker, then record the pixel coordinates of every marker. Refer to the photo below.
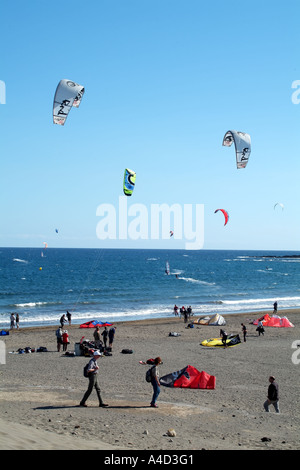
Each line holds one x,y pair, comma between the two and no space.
40,392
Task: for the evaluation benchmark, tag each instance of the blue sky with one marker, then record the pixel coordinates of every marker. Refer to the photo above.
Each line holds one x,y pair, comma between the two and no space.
164,80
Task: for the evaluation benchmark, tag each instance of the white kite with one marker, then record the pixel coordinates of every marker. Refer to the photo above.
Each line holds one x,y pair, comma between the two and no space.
67,94
242,142
279,204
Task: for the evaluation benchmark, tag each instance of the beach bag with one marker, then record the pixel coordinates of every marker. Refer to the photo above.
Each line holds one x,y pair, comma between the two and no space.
127,351
85,370
149,375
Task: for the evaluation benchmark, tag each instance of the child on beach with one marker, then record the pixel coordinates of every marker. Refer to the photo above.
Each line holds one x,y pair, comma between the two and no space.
65,340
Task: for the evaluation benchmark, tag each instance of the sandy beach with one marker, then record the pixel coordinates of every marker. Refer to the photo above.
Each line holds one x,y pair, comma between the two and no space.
40,392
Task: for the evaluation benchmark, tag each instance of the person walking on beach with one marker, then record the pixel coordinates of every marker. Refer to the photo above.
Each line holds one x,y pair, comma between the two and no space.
17,321
273,395
275,308
59,334
104,335
155,381
111,336
93,380
244,330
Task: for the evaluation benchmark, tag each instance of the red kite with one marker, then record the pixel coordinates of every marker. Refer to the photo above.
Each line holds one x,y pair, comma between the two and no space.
189,377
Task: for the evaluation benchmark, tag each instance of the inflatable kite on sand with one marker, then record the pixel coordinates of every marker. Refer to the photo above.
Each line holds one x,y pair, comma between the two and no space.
94,324
232,340
189,377
274,321
215,320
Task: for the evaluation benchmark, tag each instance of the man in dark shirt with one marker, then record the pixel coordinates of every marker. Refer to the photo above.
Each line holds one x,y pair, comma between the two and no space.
273,395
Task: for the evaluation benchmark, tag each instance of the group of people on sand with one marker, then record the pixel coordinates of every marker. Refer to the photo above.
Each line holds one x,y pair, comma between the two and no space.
106,335
63,339
186,313
93,368
92,371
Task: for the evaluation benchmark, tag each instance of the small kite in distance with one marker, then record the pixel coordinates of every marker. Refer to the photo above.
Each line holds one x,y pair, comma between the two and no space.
279,204
225,213
129,182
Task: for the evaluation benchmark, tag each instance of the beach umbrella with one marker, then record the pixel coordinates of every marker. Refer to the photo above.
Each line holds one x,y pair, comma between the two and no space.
95,324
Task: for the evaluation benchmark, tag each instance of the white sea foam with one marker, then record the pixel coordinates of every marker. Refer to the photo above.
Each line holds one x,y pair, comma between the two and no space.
197,281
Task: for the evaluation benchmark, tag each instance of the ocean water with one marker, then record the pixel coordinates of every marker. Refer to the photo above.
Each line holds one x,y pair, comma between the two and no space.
117,285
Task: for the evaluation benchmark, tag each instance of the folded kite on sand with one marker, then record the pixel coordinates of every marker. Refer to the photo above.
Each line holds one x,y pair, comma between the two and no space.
95,324
189,377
